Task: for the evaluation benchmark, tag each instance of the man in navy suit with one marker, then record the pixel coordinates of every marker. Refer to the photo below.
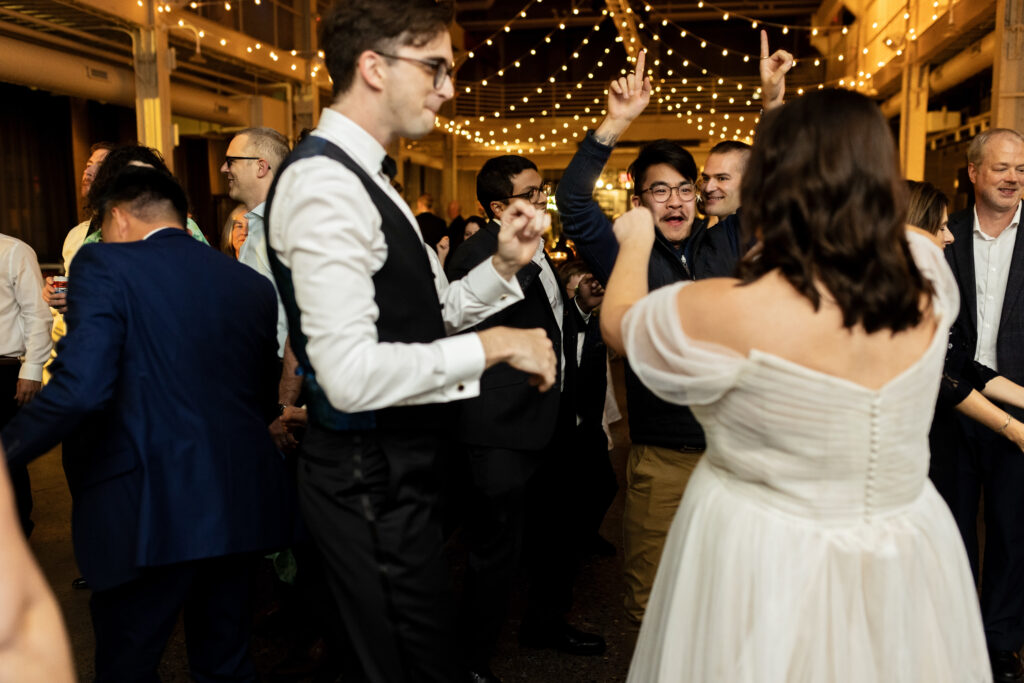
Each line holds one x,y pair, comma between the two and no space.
181,483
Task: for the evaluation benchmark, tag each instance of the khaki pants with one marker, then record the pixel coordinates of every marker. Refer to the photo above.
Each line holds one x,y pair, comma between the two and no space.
655,480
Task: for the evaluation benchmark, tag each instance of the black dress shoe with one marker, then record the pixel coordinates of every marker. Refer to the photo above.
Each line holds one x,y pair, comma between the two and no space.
80,584
482,675
1006,666
561,636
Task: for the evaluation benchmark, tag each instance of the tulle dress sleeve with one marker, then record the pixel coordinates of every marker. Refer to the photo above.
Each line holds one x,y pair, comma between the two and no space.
676,368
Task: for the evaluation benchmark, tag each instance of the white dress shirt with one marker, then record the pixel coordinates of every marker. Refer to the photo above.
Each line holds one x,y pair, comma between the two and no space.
254,254
992,256
25,319
326,229
553,290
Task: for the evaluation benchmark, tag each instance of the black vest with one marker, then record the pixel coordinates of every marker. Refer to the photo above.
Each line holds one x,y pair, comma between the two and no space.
406,297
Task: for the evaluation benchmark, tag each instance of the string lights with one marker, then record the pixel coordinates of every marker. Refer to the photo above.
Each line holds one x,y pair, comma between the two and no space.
685,88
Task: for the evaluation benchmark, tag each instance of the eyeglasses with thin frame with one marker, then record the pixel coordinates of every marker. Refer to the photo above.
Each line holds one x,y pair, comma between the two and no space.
230,160
660,192
441,68
533,194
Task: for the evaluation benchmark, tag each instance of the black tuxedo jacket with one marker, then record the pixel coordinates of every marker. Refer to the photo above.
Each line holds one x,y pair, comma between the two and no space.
509,412
1010,339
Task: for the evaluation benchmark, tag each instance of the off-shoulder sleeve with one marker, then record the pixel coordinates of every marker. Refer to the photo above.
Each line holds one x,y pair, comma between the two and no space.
676,368
932,264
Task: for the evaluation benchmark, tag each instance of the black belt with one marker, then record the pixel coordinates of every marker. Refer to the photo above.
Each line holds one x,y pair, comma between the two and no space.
8,360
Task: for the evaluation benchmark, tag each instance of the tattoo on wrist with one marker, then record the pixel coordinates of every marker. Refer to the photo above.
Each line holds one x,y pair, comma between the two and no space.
606,139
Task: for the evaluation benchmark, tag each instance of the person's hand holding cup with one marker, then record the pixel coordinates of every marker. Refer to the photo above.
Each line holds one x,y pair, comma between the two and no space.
55,293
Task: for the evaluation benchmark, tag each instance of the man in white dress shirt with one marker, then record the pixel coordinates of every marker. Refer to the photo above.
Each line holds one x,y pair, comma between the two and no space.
369,309
252,160
987,258
25,345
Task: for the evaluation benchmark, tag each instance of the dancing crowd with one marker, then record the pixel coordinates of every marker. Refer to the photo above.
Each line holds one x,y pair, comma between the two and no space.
823,379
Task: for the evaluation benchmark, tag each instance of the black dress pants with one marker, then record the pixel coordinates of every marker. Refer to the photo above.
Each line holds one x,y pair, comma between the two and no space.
370,502
9,369
493,530
518,516
996,466
134,621
595,484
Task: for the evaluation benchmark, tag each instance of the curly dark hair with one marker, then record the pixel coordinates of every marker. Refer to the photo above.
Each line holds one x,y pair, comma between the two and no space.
355,26
823,192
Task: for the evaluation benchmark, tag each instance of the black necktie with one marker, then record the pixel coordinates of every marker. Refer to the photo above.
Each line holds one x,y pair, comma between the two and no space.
389,167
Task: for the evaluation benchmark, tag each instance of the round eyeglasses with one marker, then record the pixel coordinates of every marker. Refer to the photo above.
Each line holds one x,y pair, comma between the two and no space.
660,192
441,68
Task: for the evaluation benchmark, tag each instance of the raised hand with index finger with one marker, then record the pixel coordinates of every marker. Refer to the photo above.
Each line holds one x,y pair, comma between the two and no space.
774,68
629,95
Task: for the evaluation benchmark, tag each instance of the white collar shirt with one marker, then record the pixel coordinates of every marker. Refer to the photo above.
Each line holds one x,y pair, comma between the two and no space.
253,253
992,257
325,228
25,319
552,290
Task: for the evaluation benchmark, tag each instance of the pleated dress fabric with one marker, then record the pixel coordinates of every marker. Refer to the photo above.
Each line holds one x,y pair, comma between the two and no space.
810,545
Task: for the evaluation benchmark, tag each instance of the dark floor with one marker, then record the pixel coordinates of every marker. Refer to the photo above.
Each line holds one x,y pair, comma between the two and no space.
598,604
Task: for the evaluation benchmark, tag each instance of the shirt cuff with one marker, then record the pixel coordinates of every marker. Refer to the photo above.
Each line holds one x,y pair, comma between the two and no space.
31,371
490,287
463,357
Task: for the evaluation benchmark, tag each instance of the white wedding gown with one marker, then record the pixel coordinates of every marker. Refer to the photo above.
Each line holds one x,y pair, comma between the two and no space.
810,545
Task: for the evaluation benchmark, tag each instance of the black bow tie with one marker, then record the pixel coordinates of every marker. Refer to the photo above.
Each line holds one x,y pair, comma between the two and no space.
389,167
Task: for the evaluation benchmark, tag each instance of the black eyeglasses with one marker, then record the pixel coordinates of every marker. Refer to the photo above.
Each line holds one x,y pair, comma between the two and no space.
230,160
441,68
660,192
533,194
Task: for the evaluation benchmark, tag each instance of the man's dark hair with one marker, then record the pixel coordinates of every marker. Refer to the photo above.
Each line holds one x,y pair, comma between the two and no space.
355,26
661,152
573,267
726,146
824,192
96,146
494,182
120,158
148,193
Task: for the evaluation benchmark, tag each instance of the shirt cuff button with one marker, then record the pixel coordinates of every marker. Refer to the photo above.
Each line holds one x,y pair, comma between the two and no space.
461,387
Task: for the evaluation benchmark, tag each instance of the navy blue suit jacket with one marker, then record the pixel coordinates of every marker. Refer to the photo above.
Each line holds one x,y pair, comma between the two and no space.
170,369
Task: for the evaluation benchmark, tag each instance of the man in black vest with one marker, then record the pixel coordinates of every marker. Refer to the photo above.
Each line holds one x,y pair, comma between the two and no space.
369,309
515,437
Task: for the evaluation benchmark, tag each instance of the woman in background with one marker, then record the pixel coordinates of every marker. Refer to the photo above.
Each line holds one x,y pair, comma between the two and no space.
235,232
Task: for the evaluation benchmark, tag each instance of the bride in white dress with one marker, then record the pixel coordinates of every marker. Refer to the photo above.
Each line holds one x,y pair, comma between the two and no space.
810,545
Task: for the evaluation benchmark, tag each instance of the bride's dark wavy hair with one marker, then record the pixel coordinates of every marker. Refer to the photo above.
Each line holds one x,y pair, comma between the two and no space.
823,192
